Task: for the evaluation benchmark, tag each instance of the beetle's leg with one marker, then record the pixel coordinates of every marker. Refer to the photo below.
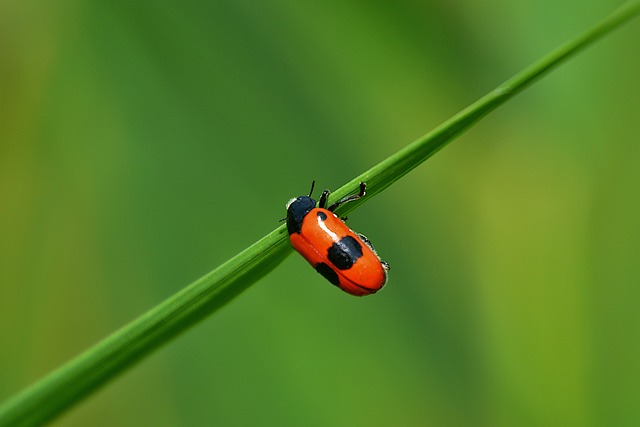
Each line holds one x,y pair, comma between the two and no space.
363,188
323,199
367,242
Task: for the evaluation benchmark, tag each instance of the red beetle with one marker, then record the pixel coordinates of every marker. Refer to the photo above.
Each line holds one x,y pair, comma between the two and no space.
345,258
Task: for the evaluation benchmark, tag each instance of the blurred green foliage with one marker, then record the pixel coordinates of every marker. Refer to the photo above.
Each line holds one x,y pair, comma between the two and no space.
143,144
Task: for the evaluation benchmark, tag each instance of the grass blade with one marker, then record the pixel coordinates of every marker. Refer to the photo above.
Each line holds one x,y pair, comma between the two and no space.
397,165
79,377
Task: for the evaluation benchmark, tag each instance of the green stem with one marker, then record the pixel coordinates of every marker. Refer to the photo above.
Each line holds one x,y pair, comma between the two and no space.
75,380
402,162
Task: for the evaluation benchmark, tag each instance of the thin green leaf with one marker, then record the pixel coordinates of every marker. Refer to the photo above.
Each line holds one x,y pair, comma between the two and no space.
78,378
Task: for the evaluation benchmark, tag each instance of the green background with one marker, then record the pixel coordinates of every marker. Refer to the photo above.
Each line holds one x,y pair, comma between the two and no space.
142,144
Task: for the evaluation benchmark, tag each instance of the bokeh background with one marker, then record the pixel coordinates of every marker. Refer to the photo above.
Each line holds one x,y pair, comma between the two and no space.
144,143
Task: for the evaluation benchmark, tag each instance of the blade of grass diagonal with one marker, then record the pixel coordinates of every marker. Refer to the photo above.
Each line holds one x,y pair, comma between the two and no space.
402,162
75,380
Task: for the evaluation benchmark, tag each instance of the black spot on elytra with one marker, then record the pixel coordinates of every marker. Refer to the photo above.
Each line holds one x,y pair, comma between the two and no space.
328,273
322,216
344,253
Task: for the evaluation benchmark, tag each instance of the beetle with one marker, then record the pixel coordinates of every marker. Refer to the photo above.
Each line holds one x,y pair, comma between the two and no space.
345,258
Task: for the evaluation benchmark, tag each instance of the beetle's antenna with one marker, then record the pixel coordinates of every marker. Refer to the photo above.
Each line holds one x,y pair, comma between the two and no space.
313,184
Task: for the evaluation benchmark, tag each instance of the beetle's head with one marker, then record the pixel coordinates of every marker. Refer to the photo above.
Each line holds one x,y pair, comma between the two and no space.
297,209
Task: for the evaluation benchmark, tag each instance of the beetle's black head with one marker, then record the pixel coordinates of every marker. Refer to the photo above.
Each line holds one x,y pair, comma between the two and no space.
297,209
